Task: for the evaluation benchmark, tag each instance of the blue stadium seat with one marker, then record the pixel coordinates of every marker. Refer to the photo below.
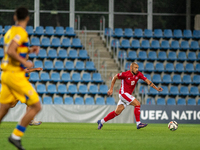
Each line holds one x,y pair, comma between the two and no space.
179,67
148,76
96,77
2,41
65,77
169,67
62,89
173,90
165,45
1,29
149,67
166,79
138,33
181,101
192,56
159,67
73,54
93,89
79,101
189,67
162,56
89,101
42,53
167,33
38,64
182,56
132,55
76,77
35,41
80,65
66,43
196,79
70,31
125,44
44,76
141,66
86,77
155,44
89,65
45,42
58,65
76,43
148,33
175,45
115,43
41,89
83,54
128,32
34,77
145,44
191,101
194,91
176,79
118,33
197,68
110,101
198,103
49,30
152,56
55,42
103,89
153,91
187,79
156,78
62,54
6,28
171,101
1,53
172,56
82,89
29,30
187,34
122,55
184,91
68,101
58,100
185,45
55,77
158,33
100,101
165,91
48,65
59,31
161,101
108,32
194,45
142,55
69,65
72,89
196,34
39,30
47,100
52,53
177,33
150,101
135,44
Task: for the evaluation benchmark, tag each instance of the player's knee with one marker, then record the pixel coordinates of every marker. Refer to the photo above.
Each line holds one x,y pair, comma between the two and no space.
119,110
138,103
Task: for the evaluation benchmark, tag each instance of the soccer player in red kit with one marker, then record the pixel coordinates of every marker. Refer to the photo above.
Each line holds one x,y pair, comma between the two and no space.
128,82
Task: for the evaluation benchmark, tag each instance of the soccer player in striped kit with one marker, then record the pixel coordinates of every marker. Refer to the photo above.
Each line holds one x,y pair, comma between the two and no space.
128,83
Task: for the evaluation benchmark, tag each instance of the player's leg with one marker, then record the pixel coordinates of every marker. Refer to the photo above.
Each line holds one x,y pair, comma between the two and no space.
33,121
3,110
136,103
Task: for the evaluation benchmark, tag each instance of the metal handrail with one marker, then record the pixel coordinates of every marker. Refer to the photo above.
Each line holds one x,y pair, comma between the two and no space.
85,33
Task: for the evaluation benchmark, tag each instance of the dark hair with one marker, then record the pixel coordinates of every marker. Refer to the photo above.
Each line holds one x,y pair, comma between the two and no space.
21,13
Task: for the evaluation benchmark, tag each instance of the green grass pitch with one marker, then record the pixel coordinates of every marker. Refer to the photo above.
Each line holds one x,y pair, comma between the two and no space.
85,136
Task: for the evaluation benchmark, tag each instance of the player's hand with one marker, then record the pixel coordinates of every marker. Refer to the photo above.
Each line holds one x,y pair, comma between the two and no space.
110,91
28,64
160,89
34,49
38,69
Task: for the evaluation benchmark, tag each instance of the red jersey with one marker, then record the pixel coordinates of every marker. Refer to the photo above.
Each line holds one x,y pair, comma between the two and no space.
128,81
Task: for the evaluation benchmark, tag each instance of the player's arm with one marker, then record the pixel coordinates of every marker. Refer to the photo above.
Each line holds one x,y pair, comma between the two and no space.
110,91
34,49
12,52
28,70
153,85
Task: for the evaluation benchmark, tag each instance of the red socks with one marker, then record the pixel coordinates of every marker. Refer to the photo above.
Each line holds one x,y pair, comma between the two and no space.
111,115
137,113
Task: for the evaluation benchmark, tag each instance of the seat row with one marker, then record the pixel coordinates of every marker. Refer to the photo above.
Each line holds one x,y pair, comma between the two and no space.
172,101
157,33
155,45
152,56
172,91
169,67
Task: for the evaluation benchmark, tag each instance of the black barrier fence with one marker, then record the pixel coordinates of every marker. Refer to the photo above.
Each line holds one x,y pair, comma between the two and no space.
164,114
